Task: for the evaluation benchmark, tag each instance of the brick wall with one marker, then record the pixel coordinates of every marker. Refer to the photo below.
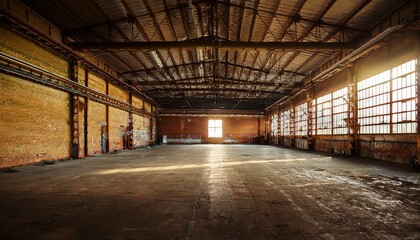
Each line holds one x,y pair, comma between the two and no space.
28,51
34,122
96,121
235,129
117,125
141,133
118,93
137,102
97,83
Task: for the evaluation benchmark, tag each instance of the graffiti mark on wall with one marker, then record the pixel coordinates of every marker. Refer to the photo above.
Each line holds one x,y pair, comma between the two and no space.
141,137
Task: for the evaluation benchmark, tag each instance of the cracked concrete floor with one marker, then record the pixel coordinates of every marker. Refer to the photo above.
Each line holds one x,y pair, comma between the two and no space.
211,192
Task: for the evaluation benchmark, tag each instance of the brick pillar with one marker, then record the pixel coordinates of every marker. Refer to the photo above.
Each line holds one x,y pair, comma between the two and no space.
74,113
292,124
309,137
85,125
130,125
416,160
107,149
352,114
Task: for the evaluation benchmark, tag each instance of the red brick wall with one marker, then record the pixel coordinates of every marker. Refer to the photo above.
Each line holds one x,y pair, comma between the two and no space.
235,129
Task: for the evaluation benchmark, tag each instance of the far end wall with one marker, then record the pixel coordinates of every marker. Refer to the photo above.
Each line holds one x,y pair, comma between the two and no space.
188,129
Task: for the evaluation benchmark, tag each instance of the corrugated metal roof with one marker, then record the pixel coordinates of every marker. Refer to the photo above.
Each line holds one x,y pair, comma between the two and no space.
209,70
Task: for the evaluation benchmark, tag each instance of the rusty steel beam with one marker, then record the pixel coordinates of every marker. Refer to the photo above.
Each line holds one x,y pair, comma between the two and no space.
224,89
211,43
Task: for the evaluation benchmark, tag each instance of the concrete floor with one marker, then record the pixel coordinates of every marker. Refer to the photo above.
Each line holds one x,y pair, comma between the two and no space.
211,192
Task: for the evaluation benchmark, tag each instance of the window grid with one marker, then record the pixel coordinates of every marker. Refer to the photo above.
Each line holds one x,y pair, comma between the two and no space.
274,125
323,115
340,111
215,128
301,119
285,122
388,100
385,101
404,98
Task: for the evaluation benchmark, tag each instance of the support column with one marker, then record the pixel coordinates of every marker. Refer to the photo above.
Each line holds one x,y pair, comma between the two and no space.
309,137
74,114
155,117
278,126
259,130
353,125
292,124
416,160
107,149
152,126
85,125
130,125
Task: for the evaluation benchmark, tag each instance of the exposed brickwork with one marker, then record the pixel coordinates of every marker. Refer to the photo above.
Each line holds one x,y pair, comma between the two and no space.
396,148
96,119
34,122
141,133
148,107
137,102
81,120
118,93
26,50
97,83
35,119
117,125
235,129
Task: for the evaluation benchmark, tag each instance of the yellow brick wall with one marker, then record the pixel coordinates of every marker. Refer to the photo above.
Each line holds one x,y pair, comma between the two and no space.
82,108
118,93
148,107
96,82
34,122
35,119
96,119
141,133
137,102
82,75
81,120
26,50
117,125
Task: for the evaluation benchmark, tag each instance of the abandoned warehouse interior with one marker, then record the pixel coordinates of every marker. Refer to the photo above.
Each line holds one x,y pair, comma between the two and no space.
127,86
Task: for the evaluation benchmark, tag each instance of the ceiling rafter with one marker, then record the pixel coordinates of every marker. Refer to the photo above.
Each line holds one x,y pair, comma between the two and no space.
145,36
264,35
203,49
277,14
331,34
219,80
161,36
130,52
77,18
212,90
266,71
305,34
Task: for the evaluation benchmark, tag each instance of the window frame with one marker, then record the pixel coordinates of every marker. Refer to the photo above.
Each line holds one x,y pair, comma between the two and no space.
215,127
